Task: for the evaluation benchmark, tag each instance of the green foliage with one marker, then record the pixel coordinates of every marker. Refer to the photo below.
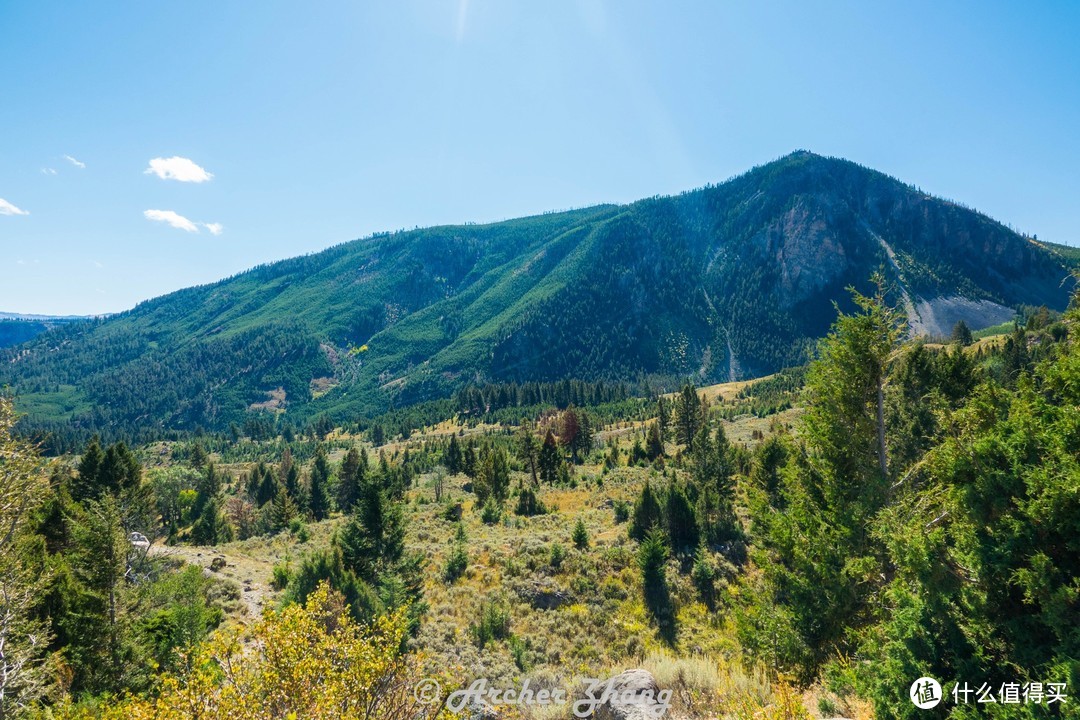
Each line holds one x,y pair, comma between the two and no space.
493,477
681,521
557,555
652,559
373,540
580,535
494,623
961,334
832,490
529,503
621,508
689,415
458,561
319,487
491,512
647,514
282,574
704,576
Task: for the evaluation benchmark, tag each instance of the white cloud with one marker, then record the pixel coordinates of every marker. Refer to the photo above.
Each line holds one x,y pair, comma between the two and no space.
177,168
7,208
48,171
76,163
168,216
214,228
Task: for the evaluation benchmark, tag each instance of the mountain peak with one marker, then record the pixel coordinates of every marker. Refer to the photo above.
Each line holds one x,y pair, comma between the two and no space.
732,281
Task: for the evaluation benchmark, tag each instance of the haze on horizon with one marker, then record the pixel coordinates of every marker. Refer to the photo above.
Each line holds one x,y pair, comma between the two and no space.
162,146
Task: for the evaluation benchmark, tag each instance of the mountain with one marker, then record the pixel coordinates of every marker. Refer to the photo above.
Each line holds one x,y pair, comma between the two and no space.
17,328
729,281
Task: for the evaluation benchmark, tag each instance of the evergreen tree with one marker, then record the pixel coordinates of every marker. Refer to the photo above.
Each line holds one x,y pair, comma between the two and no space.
284,510
319,488
350,479
373,540
663,418
469,463
580,535
654,444
453,458
458,561
210,528
493,478
961,334
198,456
682,524
549,459
97,625
647,515
528,447
689,416
87,484
652,560
835,486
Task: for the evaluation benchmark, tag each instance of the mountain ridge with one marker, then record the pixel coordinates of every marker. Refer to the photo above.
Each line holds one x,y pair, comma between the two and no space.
726,281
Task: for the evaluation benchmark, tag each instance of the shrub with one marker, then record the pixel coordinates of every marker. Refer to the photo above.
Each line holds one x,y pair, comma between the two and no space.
282,575
311,661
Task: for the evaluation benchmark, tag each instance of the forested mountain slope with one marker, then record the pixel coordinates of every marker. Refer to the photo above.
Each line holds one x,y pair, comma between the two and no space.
729,281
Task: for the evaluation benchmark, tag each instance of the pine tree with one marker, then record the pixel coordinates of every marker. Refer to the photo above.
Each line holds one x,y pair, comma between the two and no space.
284,510
652,560
87,484
493,477
663,418
528,447
682,524
646,515
961,334
198,456
549,459
654,445
453,458
349,479
373,540
319,488
689,416
210,528
835,486
580,535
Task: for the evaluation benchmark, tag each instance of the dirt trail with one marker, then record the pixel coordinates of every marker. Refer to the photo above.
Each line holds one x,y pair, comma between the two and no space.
250,573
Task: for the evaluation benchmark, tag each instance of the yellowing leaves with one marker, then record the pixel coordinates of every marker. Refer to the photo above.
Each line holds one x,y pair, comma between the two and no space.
312,662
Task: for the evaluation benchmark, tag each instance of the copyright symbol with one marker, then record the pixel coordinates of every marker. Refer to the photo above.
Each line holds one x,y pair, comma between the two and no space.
427,691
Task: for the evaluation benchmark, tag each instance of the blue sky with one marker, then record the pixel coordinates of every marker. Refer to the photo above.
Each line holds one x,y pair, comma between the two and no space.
314,123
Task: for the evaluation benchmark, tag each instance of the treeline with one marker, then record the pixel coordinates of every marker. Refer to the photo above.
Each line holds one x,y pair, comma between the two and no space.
479,400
